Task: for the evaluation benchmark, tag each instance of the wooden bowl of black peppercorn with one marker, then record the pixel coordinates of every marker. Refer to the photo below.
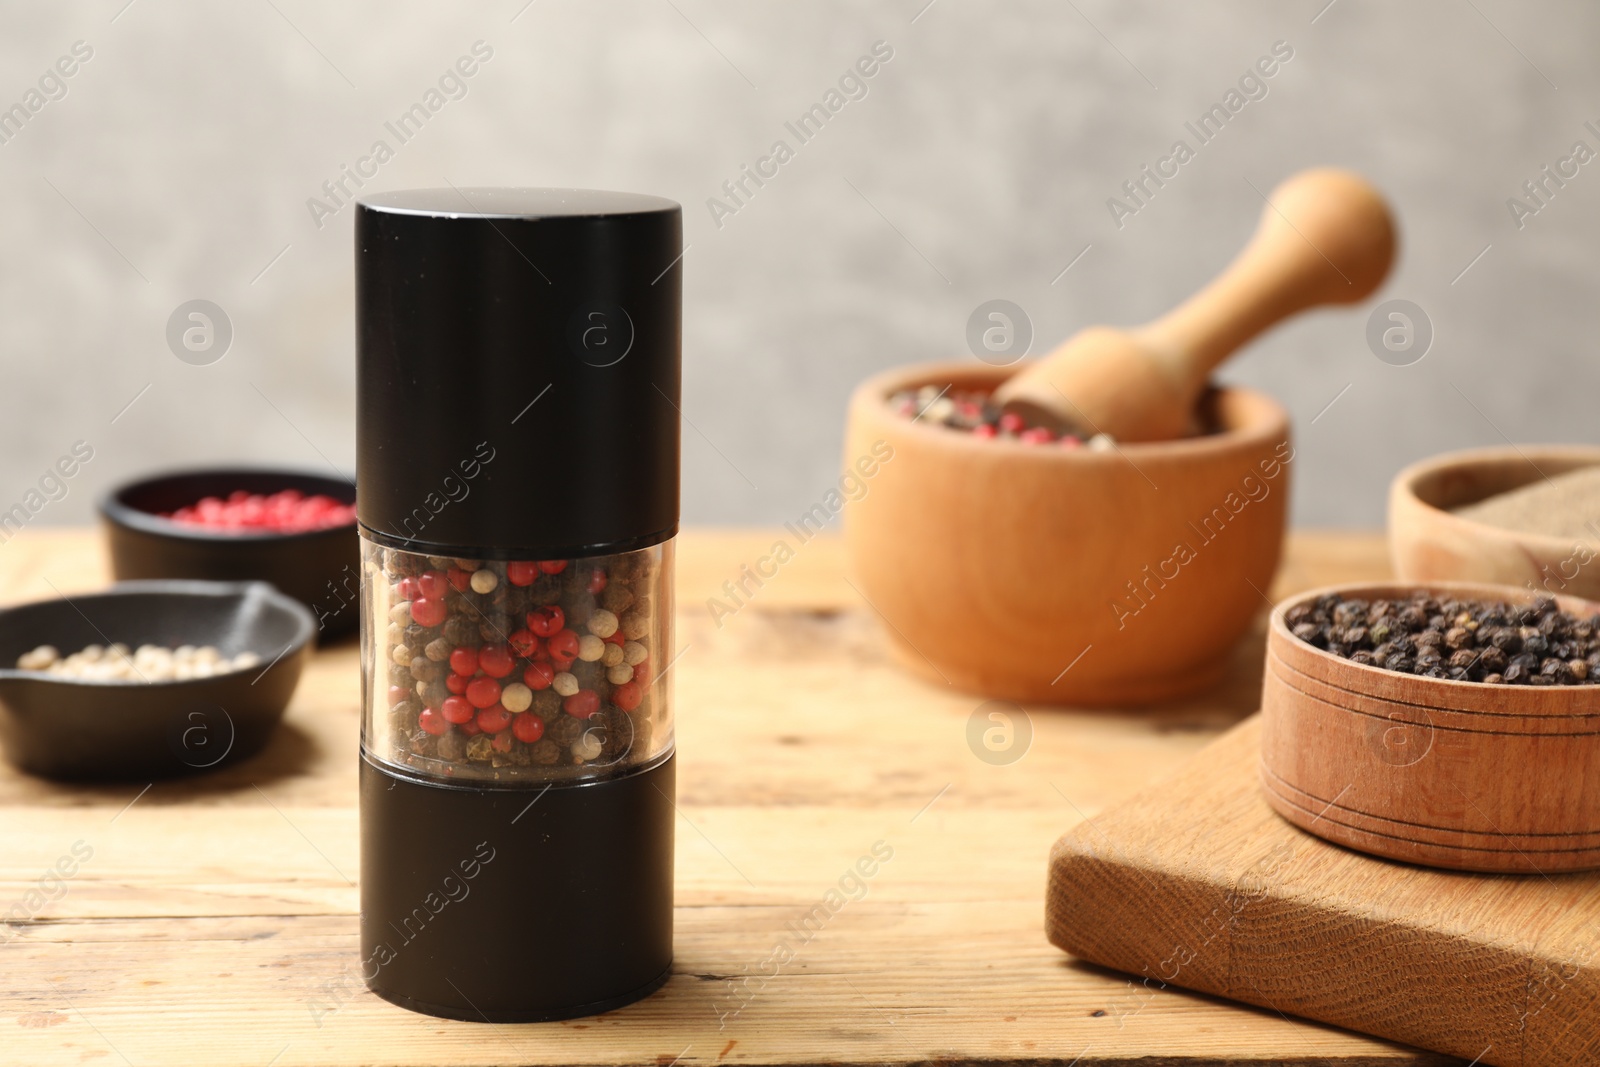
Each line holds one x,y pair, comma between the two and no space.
321,568
1448,724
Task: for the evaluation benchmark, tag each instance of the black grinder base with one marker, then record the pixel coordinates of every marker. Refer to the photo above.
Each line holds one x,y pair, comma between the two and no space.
516,905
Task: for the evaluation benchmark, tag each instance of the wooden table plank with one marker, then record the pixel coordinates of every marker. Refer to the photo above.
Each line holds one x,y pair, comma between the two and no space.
215,915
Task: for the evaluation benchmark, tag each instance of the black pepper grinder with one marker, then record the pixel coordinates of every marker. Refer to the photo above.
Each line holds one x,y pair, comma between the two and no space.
518,380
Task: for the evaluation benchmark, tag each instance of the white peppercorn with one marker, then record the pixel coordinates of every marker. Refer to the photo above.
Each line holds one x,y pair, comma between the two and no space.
590,648
603,623
565,684
484,581
587,746
516,696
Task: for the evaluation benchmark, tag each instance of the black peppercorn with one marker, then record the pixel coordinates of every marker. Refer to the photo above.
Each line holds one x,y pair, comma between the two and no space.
1466,640
433,693
1506,640
1311,634
452,746
564,729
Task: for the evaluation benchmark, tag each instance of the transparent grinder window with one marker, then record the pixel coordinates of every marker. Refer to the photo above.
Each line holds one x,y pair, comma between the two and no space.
517,671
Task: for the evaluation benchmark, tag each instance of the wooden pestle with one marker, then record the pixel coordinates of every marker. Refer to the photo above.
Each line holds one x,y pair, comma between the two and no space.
1325,237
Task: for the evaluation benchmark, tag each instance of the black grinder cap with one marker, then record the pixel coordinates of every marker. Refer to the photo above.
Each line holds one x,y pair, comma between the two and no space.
518,361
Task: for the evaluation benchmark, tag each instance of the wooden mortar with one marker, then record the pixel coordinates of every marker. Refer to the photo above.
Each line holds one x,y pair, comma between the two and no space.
1020,571
1463,775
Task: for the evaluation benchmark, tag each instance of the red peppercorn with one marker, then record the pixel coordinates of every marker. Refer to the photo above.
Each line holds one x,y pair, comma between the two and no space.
617,638
553,566
539,675
1036,435
523,643
493,719
397,693
470,728
483,691
456,683
458,709
628,695
496,660
1069,442
464,660
521,572
641,672
433,585
983,429
546,621
460,580
428,612
287,511
563,647
1011,422
528,728
409,590
432,722
597,580
501,742
582,704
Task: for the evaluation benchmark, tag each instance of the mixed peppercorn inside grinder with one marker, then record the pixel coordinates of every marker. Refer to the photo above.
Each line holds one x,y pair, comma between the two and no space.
518,381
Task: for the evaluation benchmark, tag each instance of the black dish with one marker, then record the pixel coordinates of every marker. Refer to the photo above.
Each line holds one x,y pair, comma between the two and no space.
112,730
319,568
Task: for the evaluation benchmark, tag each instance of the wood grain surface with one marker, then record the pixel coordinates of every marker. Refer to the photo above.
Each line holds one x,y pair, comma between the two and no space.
215,921
1197,882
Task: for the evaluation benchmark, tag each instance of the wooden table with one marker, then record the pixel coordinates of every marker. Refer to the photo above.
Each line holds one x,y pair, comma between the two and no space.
215,922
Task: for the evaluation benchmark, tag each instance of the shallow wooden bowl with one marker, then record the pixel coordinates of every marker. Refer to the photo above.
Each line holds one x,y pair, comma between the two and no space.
1463,775
1428,543
1045,575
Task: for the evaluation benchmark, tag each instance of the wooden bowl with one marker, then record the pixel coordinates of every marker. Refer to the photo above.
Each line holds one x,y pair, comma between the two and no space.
1039,574
1430,544
1464,775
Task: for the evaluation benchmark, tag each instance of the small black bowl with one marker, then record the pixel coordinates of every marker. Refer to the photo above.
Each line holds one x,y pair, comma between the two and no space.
113,730
319,568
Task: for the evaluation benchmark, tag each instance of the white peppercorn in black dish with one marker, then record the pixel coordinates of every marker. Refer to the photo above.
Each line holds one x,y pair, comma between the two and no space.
1465,640
517,670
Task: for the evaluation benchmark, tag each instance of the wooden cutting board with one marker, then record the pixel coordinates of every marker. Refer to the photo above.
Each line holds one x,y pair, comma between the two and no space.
1195,882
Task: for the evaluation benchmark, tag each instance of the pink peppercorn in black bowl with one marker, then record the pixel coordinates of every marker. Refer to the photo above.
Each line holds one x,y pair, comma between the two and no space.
321,568
73,728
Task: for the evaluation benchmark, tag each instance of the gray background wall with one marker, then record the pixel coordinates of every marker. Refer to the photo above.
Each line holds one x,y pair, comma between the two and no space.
179,163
